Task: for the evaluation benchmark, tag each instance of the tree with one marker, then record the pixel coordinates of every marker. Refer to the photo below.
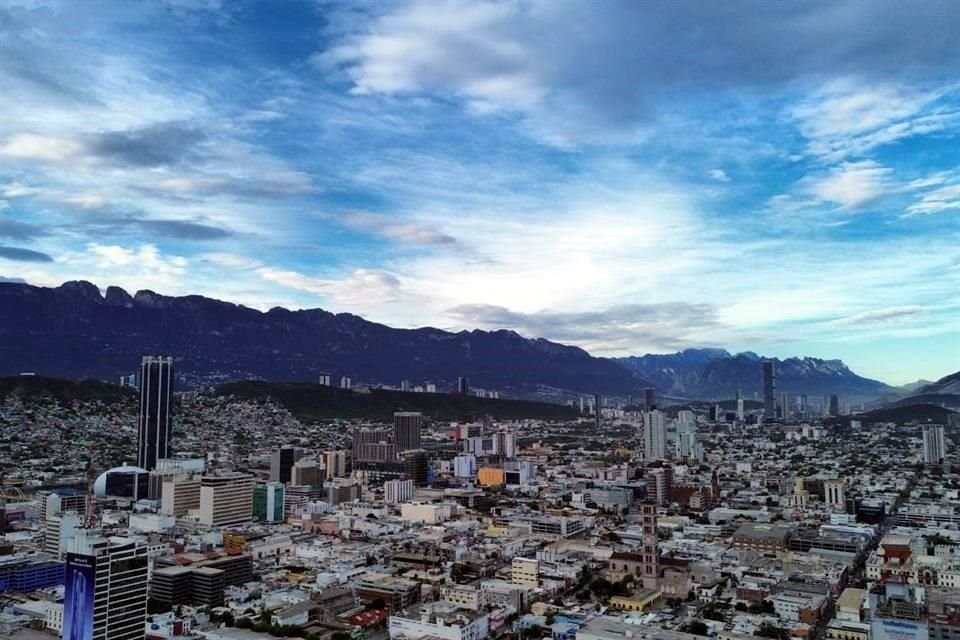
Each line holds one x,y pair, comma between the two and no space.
767,630
697,627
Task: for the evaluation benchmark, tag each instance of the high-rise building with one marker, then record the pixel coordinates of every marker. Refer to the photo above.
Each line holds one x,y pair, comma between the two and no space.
282,461
597,409
268,502
346,382
769,389
406,429
397,491
785,405
507,444
834,495
307,472
374,444
463,387
688,447
649,399
740,405
335,463
226,499
180,495
324,379
654,435
934,446
834,405
465,465
156,409
106,589
58,530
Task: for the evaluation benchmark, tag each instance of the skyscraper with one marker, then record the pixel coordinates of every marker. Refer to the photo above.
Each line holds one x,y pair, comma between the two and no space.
463,387
688,448
654,435
769,389
335,463
597,401
784,405
739,405
649,399
406,429
934,447
834,405
156,406
282,461
106,588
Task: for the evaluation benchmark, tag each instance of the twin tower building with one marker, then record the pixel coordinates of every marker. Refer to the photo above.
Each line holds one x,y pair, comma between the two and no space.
156,408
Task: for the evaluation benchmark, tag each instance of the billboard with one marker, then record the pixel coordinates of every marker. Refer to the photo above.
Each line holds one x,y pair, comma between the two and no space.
78,597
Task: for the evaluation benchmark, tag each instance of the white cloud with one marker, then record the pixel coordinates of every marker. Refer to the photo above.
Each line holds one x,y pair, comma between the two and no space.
937,201
363,288
852,185
397,230
719,175
28,146
879,316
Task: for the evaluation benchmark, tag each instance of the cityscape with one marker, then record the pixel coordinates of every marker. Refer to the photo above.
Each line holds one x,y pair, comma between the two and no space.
479,319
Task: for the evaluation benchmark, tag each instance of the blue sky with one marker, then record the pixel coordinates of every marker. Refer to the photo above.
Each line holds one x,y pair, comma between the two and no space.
629,177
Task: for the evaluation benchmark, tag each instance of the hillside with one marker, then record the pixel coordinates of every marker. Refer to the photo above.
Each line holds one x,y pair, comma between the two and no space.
73,331
63,390
310,402
908,413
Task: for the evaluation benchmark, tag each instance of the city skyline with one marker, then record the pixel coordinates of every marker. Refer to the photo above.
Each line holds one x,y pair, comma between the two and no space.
610,181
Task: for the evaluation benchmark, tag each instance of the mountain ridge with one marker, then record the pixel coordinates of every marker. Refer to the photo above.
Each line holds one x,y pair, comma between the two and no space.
714,373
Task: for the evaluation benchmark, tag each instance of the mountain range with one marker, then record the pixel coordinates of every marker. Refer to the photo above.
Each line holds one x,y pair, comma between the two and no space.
75,331
716,373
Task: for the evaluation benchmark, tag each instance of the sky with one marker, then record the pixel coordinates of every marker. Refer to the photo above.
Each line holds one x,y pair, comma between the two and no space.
629,177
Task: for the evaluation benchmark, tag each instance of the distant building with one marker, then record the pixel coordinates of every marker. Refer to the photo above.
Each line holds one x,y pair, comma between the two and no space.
649,399
525,571
156,409
374,444
834,405
324,379
654,435
833,491
282,461
407,426
463,387
268,502
397,491
769,389
335,464
934,449
226,499
465,465
740,405
180,495
346,383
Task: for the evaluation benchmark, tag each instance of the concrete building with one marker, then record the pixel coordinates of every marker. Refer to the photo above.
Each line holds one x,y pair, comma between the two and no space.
407,426
282,461
769,389
441,620
335,464
934,445
156,411
525,571
59,530
834,494
654,435
465,465
226,499
268,502
397,491
179,495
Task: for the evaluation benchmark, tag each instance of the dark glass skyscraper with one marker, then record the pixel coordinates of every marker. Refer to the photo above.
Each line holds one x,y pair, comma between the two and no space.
769,389
156,408
406,429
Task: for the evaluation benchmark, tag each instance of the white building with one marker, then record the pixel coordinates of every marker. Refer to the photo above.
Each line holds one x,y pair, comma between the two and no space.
59,530
226,499
654,435
397,491
427,513
934,449
465,465
440,620
834,493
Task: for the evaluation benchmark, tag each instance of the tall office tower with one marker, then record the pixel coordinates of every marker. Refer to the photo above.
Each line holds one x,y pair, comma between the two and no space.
597,412
58,530
934,446
156,407
583,405
507,444
740,405
654,435
769,389
307,472
649,399
463,387
324,379
226,499
834,405
268,502
465,465
180,495
346,382
784,405
106,588
648,550
397,491
406,429
833,493
803,405
688,448
335,463
374,444
60,500
404,385
282,461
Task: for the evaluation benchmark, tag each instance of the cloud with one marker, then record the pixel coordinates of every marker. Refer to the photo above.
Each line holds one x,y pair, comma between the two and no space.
937,201
852,185
402,232
362,287
18,254
16,230
719,175
629,328
183,230
27,146
571,68
157,145
12,280
878,316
